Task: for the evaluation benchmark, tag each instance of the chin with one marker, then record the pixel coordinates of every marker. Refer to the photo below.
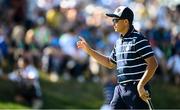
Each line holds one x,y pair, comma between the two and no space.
115,30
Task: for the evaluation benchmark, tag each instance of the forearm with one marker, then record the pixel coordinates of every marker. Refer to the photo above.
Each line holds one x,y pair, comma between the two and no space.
149,73
100,58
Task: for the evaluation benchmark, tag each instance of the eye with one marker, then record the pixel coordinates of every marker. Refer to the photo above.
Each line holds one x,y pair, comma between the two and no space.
115,20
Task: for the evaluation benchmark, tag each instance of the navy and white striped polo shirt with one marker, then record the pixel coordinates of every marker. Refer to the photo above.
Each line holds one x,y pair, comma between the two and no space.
128,54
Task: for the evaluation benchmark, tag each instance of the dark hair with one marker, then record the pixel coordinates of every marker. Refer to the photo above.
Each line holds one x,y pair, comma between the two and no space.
128,14
25,59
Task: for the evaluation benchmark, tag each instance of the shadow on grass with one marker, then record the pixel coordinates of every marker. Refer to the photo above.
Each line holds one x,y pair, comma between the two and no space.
7,94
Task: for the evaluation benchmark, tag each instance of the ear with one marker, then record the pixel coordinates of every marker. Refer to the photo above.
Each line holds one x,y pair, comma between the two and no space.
126,21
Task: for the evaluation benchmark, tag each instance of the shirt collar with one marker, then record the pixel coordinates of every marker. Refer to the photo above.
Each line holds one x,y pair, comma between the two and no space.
131,30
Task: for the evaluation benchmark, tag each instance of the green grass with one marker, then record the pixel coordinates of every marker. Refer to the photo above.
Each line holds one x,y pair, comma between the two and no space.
63,94
12,105
165,96
71,94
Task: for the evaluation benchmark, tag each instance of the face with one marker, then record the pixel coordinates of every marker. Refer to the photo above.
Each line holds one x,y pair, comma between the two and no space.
120,24
21,63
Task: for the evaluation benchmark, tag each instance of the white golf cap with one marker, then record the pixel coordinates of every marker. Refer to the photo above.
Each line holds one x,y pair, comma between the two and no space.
122,12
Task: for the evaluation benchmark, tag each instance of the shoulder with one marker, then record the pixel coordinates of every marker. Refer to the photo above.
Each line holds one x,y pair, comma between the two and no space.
118,41
139,36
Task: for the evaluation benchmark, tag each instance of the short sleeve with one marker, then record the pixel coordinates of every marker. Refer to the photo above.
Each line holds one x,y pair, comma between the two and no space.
112,56
143,48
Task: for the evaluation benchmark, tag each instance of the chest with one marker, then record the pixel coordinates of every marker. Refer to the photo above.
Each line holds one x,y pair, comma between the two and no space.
125,47
125,52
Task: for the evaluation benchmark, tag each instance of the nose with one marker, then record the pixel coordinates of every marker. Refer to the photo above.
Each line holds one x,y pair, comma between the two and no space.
114,23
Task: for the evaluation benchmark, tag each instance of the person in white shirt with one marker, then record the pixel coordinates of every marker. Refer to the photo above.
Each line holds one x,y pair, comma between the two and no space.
173,66
27,79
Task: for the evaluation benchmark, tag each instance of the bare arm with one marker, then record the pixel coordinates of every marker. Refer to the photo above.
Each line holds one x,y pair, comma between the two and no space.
150,70
100,58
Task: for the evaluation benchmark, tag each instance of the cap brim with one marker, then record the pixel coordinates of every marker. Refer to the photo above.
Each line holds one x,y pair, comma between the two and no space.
112,15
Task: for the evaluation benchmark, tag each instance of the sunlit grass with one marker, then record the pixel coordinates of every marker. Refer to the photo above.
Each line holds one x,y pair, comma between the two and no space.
12,105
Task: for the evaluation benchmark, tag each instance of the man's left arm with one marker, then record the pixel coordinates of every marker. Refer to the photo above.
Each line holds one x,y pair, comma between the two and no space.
150,70
143,49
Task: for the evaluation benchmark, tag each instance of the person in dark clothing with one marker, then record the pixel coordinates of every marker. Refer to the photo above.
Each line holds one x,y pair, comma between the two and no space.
133,58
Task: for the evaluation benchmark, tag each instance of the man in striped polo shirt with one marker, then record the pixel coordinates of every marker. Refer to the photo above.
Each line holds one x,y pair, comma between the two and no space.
134,59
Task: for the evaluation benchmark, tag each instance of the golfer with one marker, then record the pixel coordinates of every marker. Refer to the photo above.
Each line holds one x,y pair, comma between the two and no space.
133,58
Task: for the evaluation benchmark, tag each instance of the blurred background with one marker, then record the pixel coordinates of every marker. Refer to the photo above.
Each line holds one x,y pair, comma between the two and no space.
41,67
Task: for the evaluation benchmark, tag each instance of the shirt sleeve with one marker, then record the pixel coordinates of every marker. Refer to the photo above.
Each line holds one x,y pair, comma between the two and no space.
112,56
143,48
170,63
13,76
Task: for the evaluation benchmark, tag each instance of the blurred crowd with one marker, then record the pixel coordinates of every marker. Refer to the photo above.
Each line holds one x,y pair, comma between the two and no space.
45,32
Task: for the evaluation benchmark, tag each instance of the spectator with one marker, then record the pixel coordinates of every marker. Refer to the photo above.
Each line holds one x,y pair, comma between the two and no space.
3,51
76,58
173,66
27,79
